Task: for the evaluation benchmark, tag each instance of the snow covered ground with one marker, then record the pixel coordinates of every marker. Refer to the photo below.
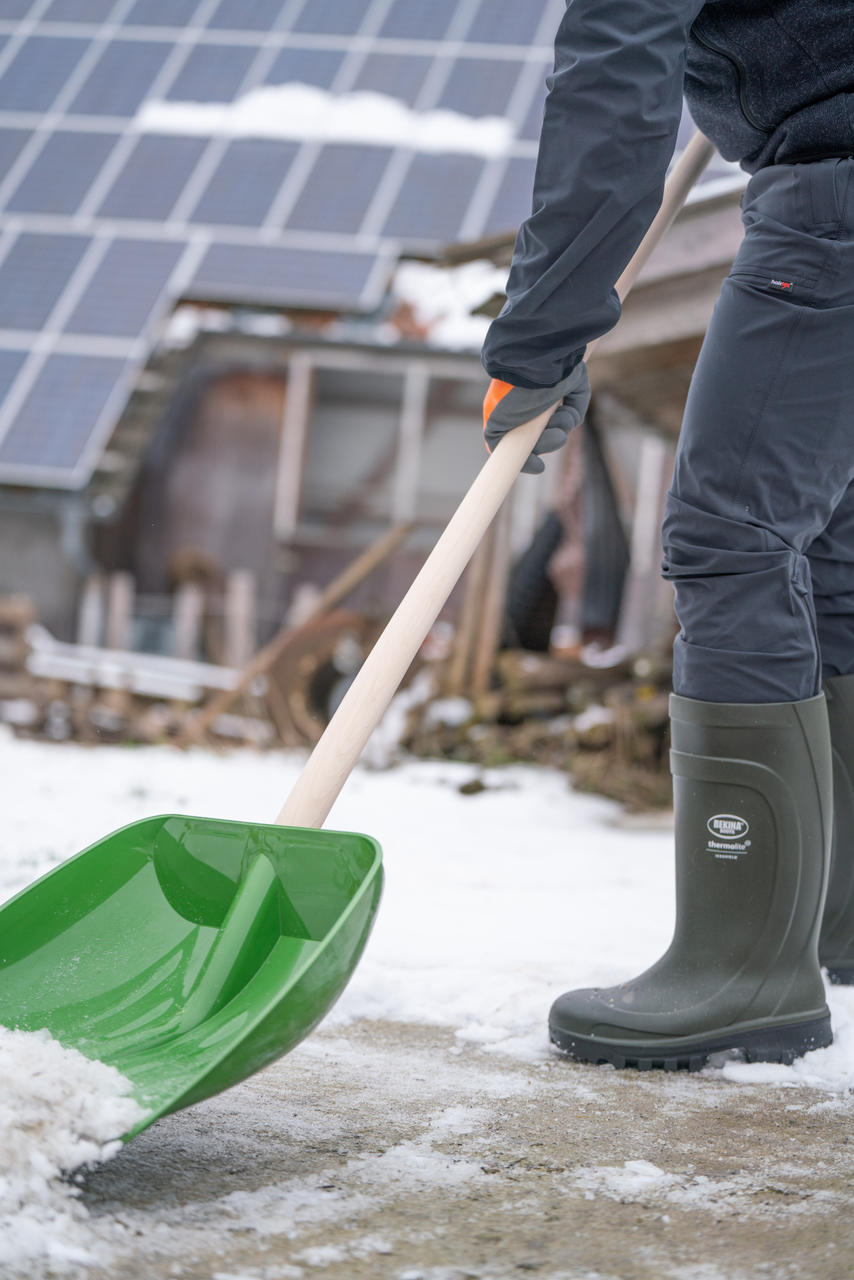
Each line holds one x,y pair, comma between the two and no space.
495,902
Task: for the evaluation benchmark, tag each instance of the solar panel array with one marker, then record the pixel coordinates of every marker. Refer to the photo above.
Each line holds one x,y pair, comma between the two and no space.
103,227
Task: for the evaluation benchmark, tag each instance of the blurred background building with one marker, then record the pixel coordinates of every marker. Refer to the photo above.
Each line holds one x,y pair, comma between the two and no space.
248,251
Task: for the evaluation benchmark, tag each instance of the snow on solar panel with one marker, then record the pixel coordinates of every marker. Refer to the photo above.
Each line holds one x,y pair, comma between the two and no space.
105,216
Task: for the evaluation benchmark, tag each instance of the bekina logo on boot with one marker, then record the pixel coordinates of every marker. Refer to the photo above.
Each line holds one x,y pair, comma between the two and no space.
726,826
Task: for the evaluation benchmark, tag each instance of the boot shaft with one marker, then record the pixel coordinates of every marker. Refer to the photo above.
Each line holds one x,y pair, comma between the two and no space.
753,812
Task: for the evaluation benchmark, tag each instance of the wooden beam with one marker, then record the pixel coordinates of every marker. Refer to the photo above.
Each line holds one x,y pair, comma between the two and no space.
413,414
120,595
240,617
491,613
299,395
188,608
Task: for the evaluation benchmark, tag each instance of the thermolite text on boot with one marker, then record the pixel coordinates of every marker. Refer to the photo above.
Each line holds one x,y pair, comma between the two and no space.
728,836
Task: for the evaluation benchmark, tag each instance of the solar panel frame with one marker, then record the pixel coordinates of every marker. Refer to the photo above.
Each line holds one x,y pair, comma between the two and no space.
398,75
162,13
512,202
14,10
121,78
127,288
61,174
245,182
409,21
12,143
152,179
10,366
268,222
339,189
38,71
255,273
479,86
332,17
33,277
306,66
515,24
55,421
246,15
89,11
434,197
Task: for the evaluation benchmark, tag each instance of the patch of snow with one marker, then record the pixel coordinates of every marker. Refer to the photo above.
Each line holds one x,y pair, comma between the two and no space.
593,716
830,1069
59,1112
592,655
639,1181
443,298
633,1178
322,1255
306,113
451,712
491,909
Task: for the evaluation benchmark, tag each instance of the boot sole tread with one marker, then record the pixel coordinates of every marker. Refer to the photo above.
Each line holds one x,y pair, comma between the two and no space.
776,1044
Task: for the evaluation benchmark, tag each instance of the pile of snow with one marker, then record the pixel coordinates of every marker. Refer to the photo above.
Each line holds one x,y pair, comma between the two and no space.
443,298
59,1111
305,113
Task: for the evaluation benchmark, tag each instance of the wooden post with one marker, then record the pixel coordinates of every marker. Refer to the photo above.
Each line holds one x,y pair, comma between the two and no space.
120,594
90,617
412,415
187,613
491,612
457,681
239,618
295,420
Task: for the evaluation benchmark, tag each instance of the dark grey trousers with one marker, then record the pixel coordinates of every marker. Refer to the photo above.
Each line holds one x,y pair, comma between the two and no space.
759,528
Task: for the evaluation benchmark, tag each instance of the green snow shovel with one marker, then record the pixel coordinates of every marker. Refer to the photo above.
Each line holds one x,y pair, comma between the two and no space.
191,952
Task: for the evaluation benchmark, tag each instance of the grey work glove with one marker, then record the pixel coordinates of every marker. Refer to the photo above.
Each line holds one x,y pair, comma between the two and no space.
506,407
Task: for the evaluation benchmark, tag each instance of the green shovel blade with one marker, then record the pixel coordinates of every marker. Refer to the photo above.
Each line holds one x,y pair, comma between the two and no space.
189,952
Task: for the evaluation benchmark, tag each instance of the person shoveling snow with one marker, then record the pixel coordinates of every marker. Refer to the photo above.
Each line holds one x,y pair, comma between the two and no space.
759,524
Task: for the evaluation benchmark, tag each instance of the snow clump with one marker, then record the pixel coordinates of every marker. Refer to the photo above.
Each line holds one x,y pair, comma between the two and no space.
59,1112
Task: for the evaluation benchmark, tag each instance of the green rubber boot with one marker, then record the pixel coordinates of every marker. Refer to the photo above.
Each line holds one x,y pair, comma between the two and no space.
752,800
836,940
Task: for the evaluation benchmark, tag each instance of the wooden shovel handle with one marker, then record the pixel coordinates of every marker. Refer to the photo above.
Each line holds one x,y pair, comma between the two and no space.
367,699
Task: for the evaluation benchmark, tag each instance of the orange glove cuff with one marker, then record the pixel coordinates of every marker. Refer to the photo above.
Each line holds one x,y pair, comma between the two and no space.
496,393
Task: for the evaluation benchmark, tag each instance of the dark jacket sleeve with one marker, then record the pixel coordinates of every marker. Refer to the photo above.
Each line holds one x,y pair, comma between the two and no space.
609,133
